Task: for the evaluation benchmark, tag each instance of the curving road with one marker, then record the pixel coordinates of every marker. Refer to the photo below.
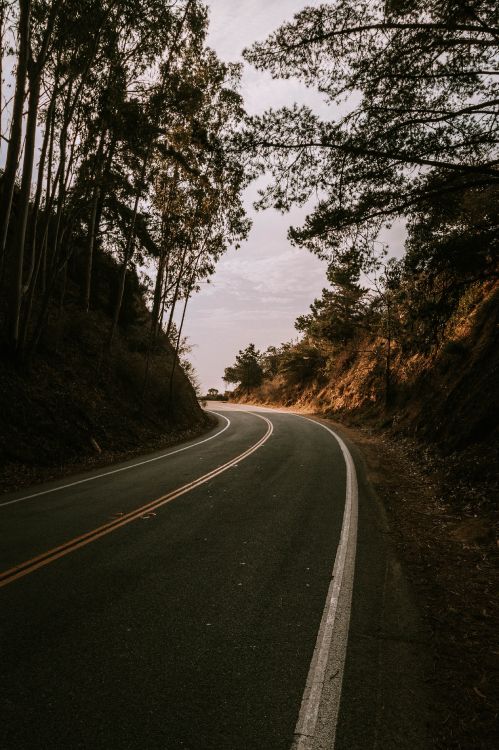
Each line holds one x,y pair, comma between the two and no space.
202,599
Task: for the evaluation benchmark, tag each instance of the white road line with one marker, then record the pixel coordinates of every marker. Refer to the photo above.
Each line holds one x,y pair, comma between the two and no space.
49,556
333,631
123,468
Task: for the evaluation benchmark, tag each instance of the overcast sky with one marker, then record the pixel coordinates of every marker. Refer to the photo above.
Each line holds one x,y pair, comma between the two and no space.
257,291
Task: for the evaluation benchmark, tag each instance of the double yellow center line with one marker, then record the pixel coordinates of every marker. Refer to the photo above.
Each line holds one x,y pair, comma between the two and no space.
29,566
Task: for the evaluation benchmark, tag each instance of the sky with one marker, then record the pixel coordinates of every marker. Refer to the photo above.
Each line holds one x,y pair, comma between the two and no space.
257,291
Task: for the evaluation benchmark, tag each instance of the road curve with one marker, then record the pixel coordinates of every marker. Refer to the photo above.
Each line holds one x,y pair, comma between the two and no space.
200,598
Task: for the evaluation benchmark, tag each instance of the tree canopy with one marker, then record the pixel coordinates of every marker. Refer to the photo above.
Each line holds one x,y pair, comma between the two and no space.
134,114
247,371
413,94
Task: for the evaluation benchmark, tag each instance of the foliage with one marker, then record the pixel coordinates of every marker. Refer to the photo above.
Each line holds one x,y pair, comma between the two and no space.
247,371
412,90
341,311
411,304
297,362
301,361
412,132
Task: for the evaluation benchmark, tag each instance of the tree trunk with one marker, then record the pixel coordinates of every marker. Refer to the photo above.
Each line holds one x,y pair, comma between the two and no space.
156,308
49,200
166,289
61,194
176,293
2,20
92,227
37,257
127,256
388,358
39,188
10,171
177,346
45,305
22,215
179,337
158,293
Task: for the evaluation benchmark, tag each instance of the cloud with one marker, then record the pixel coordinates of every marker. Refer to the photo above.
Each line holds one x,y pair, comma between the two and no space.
234,26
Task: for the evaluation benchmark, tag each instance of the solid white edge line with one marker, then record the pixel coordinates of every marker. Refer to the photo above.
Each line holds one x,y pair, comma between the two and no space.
123,468
341,584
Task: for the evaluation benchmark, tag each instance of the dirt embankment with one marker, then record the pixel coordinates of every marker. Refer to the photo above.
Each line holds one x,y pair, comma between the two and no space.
450,557
448,396
77,405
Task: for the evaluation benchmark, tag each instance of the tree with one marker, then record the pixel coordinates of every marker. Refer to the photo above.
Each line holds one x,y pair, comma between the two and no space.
341,311
135,116
412,88
452,246
300,361
270,361
247,370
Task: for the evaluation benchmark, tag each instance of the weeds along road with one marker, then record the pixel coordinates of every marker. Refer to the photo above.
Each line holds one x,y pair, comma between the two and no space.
234,593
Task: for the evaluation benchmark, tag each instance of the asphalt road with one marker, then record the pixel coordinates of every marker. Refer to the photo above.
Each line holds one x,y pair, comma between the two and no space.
233,593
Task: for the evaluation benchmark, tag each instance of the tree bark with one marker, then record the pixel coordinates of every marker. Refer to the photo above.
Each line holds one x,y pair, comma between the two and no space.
176,293
39,188
92,227
179,336
10,171
2,20
127,255
22,215
388,357
175,356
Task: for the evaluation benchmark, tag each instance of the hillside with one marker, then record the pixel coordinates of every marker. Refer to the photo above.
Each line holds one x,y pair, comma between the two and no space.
73,404
119,192
448,397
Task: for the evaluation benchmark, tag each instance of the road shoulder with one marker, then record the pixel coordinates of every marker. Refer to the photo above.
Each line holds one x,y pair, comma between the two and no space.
443,568
386,699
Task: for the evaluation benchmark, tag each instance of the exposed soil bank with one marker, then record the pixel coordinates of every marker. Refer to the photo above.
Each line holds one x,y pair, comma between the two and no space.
448,396
450,558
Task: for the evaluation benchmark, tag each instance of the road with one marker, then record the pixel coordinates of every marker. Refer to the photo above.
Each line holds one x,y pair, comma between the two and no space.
237,592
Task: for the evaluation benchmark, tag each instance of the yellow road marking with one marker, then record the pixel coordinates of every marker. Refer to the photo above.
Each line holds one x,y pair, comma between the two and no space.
29,566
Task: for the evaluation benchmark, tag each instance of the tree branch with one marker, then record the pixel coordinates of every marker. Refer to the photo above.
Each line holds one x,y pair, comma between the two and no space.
387,26
398,157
